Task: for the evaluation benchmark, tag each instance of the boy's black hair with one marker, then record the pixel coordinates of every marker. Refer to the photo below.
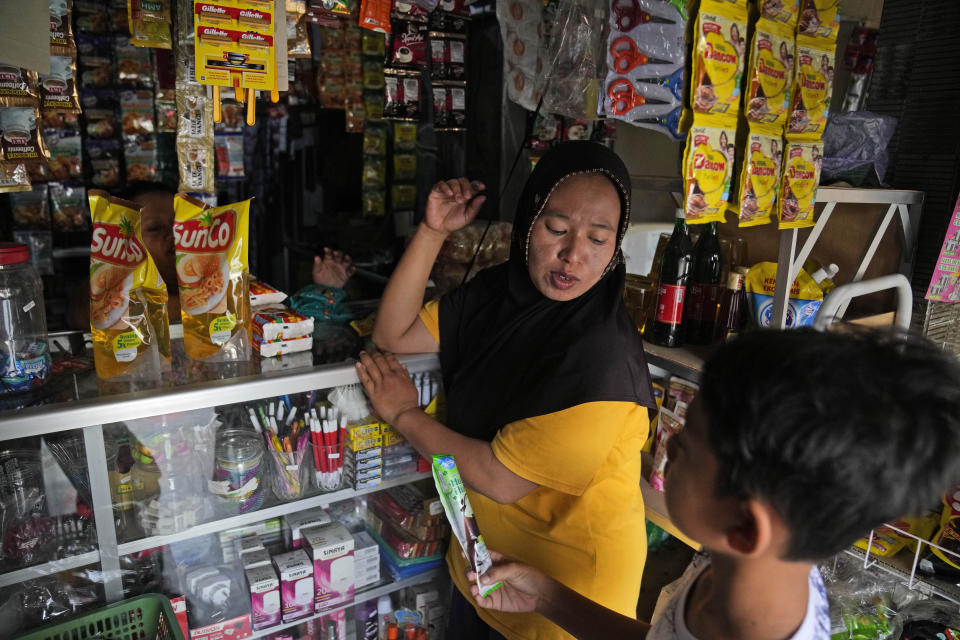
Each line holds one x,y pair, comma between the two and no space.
141,187
839,432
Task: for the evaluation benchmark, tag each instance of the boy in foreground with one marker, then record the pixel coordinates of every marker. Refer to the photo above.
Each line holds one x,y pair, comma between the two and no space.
799,443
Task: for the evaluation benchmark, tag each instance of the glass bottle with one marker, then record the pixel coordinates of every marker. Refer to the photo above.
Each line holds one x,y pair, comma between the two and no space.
674,272
703,294
732,303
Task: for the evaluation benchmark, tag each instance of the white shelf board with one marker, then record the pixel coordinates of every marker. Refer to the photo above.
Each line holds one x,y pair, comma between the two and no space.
49,568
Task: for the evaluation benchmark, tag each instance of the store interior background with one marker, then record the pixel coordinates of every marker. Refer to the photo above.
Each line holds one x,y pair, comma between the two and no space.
307,195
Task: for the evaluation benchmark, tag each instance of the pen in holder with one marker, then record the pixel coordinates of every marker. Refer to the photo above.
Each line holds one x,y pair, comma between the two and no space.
290,475
328,451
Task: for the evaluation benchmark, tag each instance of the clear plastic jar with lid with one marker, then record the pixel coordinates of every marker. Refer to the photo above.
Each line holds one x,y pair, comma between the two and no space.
24,355
238,471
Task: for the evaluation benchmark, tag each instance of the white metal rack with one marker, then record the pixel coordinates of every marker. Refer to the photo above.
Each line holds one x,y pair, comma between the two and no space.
92,412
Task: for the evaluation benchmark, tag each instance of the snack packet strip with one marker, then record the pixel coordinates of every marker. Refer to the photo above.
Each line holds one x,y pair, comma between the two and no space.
18,87
127,296
719,48
456,504
799,180
813,87
58,89
213,276
762,154
770,74
708,169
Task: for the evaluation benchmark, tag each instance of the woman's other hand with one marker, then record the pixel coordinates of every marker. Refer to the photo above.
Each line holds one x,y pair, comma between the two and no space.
333,269
453,204
388,385
522,587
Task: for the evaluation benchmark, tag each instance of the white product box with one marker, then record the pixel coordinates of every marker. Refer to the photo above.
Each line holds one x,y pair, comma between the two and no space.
295,523
264,596
331,548
256,558
296,584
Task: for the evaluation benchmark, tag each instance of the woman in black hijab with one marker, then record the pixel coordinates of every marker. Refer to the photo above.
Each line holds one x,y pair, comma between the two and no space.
546,384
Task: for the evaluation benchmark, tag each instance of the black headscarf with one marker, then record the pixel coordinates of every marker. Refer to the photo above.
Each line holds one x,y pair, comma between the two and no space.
508,353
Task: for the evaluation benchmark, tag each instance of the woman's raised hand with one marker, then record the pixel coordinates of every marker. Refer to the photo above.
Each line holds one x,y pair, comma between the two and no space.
453,204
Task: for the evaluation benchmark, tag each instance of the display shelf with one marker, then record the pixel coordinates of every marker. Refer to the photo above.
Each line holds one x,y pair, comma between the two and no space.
655,508
86,408
49,568
902,566
686,362
363,596
231,522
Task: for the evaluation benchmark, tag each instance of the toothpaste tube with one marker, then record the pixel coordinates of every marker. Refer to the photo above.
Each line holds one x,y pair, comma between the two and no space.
453,496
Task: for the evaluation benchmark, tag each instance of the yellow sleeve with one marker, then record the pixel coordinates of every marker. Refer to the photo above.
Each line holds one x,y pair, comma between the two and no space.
564,450
430,315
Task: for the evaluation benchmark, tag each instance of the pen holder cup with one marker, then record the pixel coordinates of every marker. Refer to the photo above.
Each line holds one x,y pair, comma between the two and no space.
329,467
290,470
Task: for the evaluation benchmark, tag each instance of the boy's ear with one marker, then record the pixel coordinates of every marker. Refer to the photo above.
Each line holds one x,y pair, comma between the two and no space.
751,534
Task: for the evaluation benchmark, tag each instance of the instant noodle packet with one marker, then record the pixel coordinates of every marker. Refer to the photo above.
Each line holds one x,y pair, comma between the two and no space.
456,504
718,58
802,305
213,274
888,542
128,315
819,19
759,176
798,183
708,169
813,87
770,75
784,12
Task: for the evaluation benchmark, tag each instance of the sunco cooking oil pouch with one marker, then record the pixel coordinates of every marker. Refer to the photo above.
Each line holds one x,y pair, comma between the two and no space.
770,75
802,304
780,11
127,296
759,176
813,86
798,183
818,19
213,274
718,60
708,169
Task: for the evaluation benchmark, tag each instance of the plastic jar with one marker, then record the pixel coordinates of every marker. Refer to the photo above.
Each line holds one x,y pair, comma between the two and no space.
24,355
238,472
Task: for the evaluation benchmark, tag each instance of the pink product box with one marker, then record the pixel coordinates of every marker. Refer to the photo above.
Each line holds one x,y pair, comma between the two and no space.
331,547
264,596
296,584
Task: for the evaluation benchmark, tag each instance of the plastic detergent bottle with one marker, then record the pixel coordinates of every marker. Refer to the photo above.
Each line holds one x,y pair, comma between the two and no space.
24,355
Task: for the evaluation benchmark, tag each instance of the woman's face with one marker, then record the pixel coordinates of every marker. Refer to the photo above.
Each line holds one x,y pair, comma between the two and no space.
575,237
734,33
723,140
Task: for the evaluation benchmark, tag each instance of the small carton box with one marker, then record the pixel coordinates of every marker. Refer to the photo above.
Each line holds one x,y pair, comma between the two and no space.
295,523
268,531
331,547
367,442
256,558
296,584
357,431
264,596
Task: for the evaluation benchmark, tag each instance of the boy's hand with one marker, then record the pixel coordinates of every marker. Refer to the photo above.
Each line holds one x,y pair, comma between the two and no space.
453,204
333,269
523,588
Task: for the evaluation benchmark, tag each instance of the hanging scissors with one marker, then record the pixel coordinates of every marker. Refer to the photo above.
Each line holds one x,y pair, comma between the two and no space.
630,15
624,98
626,56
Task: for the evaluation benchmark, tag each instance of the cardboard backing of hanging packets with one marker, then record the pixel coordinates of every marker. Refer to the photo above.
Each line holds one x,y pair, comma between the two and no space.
235,44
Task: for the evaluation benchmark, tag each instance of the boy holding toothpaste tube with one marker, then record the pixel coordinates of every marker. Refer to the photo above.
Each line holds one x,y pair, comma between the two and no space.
798,444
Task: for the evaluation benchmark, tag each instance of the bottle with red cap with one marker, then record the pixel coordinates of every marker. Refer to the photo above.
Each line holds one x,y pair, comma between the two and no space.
24,355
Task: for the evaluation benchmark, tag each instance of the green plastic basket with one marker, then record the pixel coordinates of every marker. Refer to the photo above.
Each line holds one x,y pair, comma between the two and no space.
148,617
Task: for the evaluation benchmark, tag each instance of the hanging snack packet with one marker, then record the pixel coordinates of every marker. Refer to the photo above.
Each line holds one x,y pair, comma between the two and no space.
759,177
456,504
30,210
149,22
58,89
813,87
767,98
798,183
781,11
212,271
20,139
718,59
68,207
61,23
125,301
708,170
13,177
18,87
818,19
888,542
669,425
134,64
802,305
